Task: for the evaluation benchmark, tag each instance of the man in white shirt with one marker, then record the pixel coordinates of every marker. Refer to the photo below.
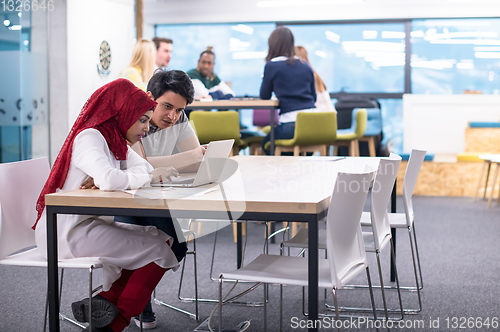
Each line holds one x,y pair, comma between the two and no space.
171,141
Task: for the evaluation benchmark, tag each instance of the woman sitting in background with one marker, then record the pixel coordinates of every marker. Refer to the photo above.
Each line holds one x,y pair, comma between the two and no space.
323,101
134,257
142,65
291,80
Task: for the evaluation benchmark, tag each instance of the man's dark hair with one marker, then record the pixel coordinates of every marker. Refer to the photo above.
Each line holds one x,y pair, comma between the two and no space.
171,80
158,40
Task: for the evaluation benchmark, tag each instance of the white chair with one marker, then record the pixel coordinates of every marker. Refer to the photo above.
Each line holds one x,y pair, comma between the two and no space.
346,258
20,185
406,219
376,240
486,164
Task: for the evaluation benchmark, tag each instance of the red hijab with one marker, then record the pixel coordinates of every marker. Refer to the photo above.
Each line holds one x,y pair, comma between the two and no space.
112,110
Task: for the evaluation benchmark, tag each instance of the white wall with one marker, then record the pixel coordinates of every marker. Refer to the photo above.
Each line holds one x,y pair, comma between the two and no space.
89,23
213,11
437,123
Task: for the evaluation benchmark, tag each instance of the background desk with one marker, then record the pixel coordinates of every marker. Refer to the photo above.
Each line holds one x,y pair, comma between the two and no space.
264,188
238,105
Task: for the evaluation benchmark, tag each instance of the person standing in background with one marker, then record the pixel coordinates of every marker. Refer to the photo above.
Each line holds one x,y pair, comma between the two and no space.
291,80
163,52
323,101
206,82
141,67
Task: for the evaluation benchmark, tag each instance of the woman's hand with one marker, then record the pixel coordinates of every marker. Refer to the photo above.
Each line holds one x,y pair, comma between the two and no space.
163,174
89,184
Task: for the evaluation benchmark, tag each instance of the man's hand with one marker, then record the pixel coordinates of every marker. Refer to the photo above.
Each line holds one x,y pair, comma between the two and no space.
88,184
163,174
203,148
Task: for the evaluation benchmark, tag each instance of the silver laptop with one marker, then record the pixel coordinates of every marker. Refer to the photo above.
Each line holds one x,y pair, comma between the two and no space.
210,169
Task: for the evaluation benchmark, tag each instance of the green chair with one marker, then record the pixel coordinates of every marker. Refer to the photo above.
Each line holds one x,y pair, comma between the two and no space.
314,131
254,143
216,126
350,137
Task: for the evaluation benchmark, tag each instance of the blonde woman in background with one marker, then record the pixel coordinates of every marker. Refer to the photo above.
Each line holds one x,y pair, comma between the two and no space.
323,101
142,65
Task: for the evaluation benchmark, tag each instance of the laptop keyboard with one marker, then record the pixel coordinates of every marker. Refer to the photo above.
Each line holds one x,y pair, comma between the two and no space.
187,181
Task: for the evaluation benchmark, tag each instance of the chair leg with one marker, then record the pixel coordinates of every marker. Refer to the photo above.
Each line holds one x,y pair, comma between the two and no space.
337,313
371,146
487,178
213,254
195,299
335,150
418,258
235,150
265,306
195,279
494,184
296,151
46,310
382,285
498,199
91,270
220,303
323,150
277,150
368,277
397,280
281,307
352,149
415,271
478,185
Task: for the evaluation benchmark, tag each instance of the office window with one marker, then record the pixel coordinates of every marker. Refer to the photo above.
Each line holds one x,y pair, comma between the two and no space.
240,51
356,58
455,55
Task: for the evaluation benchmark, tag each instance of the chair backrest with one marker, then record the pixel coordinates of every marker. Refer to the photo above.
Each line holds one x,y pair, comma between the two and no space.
346,249
262,118
412,170
216,126
381,194
315,128
361,119
373,121
20,185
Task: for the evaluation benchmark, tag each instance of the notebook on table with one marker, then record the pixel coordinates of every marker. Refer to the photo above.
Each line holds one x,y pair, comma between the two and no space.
210,168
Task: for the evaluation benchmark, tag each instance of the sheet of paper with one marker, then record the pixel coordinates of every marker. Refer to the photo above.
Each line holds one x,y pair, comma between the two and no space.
170,193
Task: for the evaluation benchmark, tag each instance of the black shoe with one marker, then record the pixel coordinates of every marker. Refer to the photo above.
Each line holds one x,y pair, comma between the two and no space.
148,318
103,311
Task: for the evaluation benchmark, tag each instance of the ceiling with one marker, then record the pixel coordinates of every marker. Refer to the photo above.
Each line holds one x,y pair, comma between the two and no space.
213,11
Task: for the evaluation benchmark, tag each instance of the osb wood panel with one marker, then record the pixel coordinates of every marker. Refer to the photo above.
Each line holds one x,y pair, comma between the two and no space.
482,140
447,179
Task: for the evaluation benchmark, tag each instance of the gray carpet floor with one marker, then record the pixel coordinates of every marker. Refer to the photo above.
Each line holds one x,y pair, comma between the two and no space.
459,251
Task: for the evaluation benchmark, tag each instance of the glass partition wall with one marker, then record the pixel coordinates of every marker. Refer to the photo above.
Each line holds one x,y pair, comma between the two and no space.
24,117
455,56
377,59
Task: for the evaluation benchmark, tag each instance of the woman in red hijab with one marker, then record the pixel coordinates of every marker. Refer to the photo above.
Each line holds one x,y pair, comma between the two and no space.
134,257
